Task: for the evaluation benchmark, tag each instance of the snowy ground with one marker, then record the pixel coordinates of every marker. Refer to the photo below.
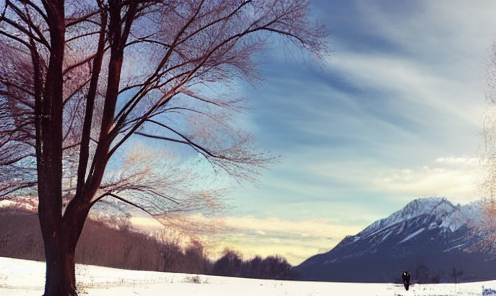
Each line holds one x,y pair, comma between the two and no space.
26,278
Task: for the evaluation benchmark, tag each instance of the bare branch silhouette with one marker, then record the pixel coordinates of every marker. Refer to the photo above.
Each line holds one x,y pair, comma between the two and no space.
80,81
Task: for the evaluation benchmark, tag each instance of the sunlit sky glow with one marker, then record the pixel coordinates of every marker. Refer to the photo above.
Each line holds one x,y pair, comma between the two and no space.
394,113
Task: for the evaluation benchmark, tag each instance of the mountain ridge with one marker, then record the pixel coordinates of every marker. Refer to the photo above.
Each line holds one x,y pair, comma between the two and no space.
430,234
418,207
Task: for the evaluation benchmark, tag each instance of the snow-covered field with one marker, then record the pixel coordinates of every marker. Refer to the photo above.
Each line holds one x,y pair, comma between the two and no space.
22,277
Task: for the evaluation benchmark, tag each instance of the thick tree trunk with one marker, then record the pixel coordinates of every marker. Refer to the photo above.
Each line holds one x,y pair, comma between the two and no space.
60,236
57,237
60,249
60,269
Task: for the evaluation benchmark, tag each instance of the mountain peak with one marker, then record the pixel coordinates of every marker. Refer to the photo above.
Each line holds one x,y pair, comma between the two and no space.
429,232
431,205
428,205
436,206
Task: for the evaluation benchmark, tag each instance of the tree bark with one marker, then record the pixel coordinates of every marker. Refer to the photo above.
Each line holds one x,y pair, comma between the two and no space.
58,237
60,268
60,249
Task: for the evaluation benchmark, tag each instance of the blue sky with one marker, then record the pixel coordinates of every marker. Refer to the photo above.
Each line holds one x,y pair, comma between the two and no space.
394,113
403,87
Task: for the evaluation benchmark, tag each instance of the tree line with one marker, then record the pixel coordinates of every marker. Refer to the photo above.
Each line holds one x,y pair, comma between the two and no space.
122,247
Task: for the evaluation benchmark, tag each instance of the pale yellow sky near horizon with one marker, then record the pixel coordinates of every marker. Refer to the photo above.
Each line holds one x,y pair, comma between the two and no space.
250,236
298,240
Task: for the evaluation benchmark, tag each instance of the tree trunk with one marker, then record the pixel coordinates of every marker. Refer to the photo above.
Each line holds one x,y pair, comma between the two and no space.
60,268
60,249
58,237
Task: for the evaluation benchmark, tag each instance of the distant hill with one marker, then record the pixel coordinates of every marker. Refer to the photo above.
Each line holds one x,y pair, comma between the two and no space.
428,238
109,241
101,243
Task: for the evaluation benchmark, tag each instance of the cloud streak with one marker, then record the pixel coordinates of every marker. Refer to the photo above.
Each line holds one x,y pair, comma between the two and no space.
294,240
393,114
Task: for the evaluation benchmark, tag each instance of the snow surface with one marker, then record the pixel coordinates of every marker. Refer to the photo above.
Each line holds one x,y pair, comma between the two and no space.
26,278
412,235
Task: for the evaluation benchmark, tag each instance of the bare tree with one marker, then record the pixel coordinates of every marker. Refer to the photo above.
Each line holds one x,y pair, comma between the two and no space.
81,78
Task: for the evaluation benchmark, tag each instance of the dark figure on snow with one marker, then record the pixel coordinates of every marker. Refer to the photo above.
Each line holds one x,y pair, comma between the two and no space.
406,279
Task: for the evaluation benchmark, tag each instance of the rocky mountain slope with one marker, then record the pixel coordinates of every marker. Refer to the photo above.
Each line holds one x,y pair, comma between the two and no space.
428,237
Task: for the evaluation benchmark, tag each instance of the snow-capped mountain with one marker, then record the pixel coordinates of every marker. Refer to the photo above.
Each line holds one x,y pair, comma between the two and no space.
428,237
446,215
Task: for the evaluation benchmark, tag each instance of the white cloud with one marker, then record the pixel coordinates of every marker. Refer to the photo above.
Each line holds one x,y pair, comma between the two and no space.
315,228
427,63
439,29
464,160
415,87
453,177
459,185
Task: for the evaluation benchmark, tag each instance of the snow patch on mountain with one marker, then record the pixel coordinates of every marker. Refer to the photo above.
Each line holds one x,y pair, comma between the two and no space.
412,235
448,217
429,231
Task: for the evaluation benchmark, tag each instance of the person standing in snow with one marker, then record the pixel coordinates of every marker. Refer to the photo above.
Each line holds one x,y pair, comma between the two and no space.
406,279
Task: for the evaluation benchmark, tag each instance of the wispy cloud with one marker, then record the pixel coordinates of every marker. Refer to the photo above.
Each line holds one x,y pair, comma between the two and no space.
393,114
388,187
403,88
251,236
454,177
294,240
